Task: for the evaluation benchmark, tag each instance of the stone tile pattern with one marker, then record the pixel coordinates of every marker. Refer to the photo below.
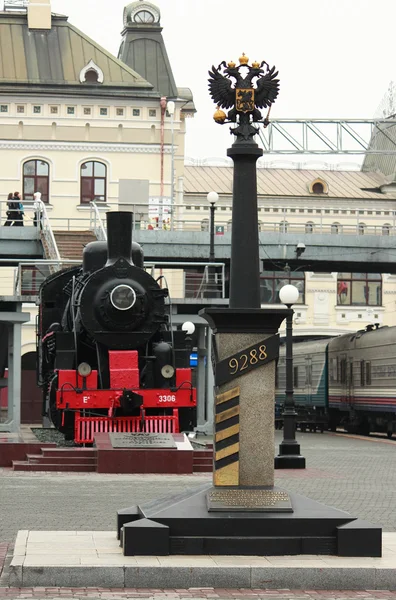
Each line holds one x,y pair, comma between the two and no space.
356,475
94,558
205,593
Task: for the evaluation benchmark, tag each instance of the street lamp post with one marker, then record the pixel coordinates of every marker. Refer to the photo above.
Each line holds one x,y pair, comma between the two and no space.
171,106
212,198
289,456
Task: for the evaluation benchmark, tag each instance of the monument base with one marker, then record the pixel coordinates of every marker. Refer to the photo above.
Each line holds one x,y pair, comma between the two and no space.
183,525
116,457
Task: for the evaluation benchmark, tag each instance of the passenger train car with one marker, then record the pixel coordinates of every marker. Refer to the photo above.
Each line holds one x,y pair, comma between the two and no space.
348,381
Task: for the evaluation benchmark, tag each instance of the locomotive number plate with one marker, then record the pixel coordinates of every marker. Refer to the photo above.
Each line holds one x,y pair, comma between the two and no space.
167,399
142,440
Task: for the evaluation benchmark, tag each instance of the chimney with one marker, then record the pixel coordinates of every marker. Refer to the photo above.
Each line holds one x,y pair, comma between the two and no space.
39,14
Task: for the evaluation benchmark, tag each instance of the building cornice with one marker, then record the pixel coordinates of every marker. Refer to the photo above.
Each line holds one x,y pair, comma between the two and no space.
83,147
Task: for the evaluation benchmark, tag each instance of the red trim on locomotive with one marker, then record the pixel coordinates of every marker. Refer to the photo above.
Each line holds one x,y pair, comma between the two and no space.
77,393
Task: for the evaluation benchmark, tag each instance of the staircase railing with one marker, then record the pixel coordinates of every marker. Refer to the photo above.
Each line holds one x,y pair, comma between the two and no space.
47,235
96,223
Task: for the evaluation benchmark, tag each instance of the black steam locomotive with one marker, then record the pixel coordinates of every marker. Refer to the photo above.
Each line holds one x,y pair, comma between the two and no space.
106,353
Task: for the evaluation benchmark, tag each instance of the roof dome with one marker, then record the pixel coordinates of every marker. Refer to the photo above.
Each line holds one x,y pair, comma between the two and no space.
141,13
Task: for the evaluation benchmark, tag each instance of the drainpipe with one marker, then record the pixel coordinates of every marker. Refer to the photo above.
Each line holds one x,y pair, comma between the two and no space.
163,110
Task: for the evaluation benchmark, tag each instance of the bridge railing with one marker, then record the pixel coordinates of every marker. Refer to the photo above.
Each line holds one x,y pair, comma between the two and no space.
185,280
195,218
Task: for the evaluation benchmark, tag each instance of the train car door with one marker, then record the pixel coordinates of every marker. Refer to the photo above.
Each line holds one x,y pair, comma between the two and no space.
308,379
350,383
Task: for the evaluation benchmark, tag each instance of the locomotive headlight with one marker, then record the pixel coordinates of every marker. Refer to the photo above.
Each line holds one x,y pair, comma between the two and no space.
167,372
123,297
84,369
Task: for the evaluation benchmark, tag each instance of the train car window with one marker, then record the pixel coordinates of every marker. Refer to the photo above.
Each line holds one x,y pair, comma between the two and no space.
295,378
334,370
368,373
351,373
343,370
308,374
362,378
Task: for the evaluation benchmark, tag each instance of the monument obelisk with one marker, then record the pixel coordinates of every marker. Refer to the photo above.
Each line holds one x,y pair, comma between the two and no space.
242,512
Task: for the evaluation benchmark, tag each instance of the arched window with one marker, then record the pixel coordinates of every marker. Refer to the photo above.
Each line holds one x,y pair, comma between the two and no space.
318,188
93,182
229,226
386,229
36,179
260,225
336,228
92,76
205,225
283,226
309,227
361,228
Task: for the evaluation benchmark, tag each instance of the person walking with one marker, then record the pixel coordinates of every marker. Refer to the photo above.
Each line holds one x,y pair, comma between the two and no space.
18,221
37,210
10,214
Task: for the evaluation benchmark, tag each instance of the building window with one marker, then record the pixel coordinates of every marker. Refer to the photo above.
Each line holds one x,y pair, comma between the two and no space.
87,110
120,112
103,112
37,110
229,225
271,283
205,225
93,182
361,228
54,110
386,229
71,110
136,112
318,188
4,108
309,227
36,179
356,289
336,228
20,109
283,226
152,112
92,76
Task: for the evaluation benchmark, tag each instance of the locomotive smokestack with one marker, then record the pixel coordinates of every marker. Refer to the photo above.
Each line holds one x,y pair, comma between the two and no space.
119,237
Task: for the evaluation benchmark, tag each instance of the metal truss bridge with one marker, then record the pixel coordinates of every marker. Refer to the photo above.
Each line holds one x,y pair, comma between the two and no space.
328,136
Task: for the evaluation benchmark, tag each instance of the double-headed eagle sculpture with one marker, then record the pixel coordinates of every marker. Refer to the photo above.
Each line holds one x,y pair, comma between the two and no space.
254,88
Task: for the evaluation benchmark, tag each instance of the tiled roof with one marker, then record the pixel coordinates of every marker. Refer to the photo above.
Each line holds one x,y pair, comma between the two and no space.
286,182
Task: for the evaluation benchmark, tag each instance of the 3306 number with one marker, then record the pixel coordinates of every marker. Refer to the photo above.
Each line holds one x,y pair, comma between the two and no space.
244,361
167,399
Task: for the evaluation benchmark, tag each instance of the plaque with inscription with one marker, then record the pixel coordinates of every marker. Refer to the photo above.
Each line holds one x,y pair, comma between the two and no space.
143,441
248,500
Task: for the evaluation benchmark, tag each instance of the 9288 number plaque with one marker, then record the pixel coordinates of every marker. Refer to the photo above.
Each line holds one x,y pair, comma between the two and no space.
246,360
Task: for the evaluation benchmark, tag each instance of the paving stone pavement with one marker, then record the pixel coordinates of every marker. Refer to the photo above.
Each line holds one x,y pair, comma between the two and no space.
350,473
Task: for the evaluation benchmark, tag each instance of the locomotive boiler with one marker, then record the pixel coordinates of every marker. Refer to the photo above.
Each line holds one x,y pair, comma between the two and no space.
106,352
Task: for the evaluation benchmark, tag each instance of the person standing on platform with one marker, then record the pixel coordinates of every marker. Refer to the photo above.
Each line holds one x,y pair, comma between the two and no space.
19,211
37,210
10,213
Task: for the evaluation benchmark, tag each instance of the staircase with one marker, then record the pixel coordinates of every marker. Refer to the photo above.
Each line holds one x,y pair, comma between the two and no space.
71,243
80,460
203,461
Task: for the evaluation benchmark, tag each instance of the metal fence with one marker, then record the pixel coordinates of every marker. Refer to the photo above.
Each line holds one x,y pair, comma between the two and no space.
185,280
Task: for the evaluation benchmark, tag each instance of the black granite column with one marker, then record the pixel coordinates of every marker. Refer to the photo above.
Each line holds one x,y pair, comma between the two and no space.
245,262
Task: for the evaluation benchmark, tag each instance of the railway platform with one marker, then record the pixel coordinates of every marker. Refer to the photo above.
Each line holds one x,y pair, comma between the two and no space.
347,472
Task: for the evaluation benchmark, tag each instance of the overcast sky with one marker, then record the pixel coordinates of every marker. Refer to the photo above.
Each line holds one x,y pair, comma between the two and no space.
335,57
